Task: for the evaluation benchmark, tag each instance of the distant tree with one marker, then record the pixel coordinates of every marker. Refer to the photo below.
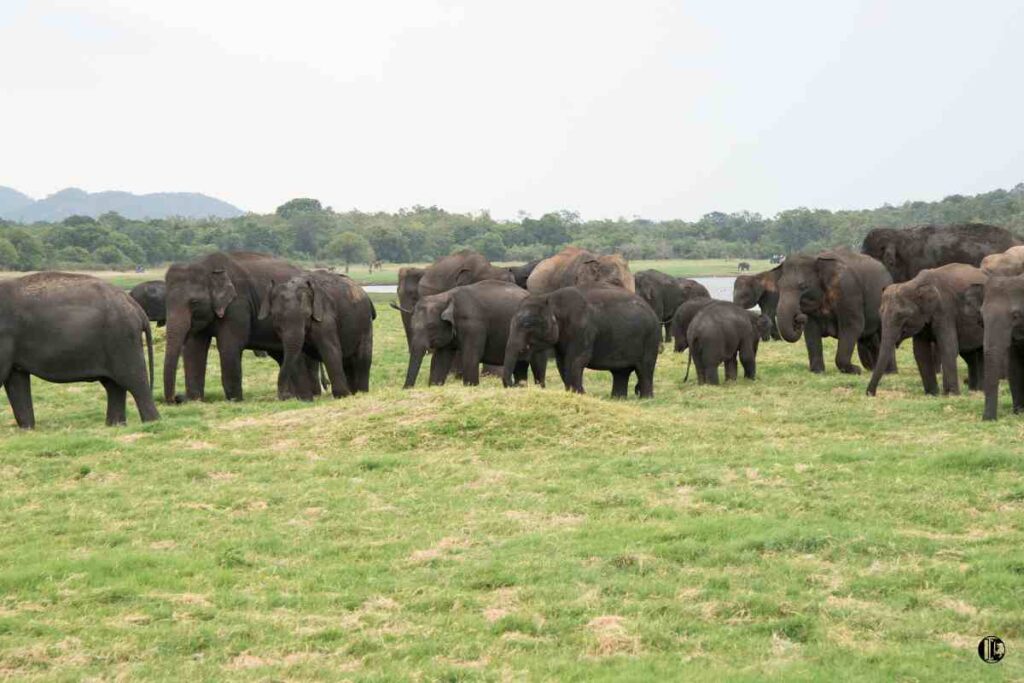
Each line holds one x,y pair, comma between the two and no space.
8,254
72,255
349,248
299,205
31,253
78,220
110,255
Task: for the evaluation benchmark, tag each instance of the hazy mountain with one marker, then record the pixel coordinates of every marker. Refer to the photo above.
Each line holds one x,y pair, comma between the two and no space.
72,201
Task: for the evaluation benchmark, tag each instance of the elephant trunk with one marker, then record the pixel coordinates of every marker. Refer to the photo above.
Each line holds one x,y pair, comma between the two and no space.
997,352
177,330
292,379
886,351
513,350
416,353
790,319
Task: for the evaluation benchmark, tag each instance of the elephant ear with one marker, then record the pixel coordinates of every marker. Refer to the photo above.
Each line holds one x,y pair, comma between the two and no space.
264,312
970,301
829,267
927,297
222,291
319,300
589,271
463,277
448,314
889,257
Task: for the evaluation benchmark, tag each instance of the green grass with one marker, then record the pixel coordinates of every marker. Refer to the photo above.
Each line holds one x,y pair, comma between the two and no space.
789,528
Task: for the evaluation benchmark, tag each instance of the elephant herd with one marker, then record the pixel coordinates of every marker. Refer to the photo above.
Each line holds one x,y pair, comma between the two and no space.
954,290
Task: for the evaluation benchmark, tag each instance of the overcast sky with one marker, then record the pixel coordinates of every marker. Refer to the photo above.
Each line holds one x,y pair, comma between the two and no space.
639,107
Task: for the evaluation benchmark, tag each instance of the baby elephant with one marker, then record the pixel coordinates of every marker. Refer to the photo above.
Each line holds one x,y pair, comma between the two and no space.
718,333
330,318
602,327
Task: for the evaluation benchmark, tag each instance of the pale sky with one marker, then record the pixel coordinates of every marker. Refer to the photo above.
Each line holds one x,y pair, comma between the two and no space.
638,107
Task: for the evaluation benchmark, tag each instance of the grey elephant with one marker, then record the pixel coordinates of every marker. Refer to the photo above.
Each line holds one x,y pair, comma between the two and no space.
408,295
761,290
682,318
522,273
602,327
575,267
835,293
665,293
63,327
719,333
933,309
472,323
1000,301
906,252
152,296
461,268
330,318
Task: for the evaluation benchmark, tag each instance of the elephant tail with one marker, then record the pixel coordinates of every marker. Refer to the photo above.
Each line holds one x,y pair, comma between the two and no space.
149,347
689,357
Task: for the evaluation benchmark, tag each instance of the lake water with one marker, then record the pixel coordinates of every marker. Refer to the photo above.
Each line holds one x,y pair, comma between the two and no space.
719,287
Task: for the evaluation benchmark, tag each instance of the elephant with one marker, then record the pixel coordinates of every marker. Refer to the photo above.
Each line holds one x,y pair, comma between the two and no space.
665,293
217,297
1001,304
834,294
932,309
761,290
906,252
471,322
682,318
602,327
329,317
575,267
408,295
1009,262
63,327
522,273
461,268
721,331
152,296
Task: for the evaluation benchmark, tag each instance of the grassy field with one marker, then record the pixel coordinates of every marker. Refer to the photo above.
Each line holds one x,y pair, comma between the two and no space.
790,528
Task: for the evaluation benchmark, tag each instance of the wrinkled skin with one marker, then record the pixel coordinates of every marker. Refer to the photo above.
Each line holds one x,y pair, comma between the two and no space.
906,252
408,295
472,323
152,297
218,297
522,273
719,332
931,309
575,267
682,318
461,268
1001,304
759,290
665,293
329,318
601,327
834,294
63,328
1007,263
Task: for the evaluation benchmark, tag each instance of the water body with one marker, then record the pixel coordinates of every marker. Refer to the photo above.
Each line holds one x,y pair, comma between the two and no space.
719,287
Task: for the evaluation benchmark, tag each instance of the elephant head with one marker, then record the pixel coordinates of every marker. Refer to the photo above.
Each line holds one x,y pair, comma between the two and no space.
747,290
806,285
885,245
1002,310
293,306
762,325
906,309
648,289
1008,263
611,269
433,327
197,295
534,327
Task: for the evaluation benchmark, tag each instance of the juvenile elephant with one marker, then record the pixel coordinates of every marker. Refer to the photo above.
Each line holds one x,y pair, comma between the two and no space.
906,252
74,328
330,318
408,295
1001,303
665,293
834,294
600,327
575,267
152,296
682,318
473,321
933,310
461,268
522,273
761,290
1009,262
718,333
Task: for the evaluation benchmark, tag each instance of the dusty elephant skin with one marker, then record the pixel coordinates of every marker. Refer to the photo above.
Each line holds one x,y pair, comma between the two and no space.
834,294
330,318
720,332
62,328
218,297
461,268
599,327
761,290
1007,263
934,310
665,293
906,252
152,296
1001,303
470,323
575,267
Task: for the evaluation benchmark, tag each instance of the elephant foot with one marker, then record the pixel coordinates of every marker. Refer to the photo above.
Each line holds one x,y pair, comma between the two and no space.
176,400
850,370
1017,410
818,371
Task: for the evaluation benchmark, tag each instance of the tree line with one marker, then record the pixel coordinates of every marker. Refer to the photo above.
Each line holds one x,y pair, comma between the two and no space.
303,230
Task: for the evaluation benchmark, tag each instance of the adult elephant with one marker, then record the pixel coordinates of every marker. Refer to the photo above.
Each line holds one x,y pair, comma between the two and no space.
575,267
834,294
906,252
665,293
152,296
1001,304
761,290
461,268
522,273
933,310
218,297
1007,263
408,295
64,327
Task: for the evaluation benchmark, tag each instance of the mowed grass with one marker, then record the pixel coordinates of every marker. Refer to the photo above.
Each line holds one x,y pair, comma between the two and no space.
790,528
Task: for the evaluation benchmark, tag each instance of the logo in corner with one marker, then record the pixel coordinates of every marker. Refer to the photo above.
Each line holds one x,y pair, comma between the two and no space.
991,649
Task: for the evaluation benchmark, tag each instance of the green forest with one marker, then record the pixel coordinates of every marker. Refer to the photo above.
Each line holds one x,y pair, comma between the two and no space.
304,230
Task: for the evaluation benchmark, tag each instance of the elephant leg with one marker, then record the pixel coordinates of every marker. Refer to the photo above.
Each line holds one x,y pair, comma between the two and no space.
133,379
361,365
313,374
539,367
925,359
975,369
748,358
731,369
620,382
331,354
710,373
230,348
812,338
440,366
1015,376
116,395
576,363
867,351
562,370
844,351
472,354
645,377
19,394
194,355
668,330
456,364
521,371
